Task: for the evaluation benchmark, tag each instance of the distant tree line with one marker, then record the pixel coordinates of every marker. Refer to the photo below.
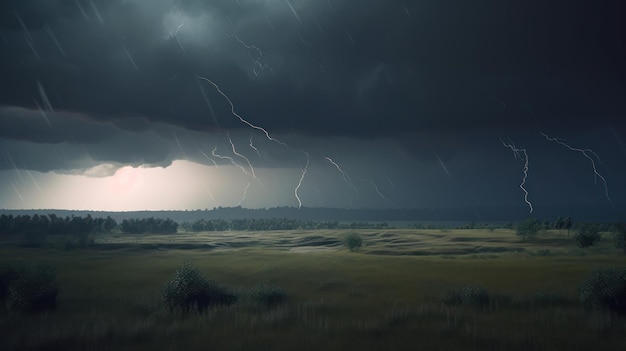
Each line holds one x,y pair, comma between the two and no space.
53,225
202,225
264,224
149,225
33,230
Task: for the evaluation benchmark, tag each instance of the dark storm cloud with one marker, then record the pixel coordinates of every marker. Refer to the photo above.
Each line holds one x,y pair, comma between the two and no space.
376,68
42,126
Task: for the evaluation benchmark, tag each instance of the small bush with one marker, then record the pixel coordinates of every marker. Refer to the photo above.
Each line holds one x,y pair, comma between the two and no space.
604,289
472,295
353,241
189,289
268,294
587,235
32,289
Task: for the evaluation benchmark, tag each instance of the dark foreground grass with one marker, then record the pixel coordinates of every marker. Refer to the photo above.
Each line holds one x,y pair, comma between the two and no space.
336,300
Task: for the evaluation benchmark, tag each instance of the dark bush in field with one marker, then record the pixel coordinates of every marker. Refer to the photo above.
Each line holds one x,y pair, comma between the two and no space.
353,241
30,288
268,294
472,295
189,289
604,289
587,235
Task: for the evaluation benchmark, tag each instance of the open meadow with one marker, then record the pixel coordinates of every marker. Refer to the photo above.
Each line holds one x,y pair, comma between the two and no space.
394,293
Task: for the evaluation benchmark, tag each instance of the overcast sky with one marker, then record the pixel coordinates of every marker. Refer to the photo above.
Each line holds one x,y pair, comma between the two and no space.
126,104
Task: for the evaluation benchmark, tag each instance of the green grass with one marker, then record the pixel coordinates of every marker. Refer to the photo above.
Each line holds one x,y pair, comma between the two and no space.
109,297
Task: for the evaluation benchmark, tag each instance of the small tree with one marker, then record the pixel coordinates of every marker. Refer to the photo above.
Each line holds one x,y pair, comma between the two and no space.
353,241
587,235
528,229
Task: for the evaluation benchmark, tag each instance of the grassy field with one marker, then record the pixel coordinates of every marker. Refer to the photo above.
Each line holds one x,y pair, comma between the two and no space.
388,296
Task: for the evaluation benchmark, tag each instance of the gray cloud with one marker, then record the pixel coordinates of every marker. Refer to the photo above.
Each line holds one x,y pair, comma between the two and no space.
373,69
380,84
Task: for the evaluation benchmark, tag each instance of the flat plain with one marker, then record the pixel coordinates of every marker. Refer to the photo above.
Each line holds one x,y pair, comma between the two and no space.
389,295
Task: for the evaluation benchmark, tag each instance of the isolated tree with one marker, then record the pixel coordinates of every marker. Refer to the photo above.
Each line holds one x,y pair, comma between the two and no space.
587,235
353,241
528,229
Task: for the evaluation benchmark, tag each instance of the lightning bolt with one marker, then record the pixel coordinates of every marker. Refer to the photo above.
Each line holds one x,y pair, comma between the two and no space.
209,158
345,175
257,65
232,160
254,147
240,155
245,194
268,136
375,187
175,36
304,170
516,153
234,113
245,191
587,153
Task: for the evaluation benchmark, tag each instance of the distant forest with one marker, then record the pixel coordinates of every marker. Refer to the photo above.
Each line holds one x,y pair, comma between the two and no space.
322,214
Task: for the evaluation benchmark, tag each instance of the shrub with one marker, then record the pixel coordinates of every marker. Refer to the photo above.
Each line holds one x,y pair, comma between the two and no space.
268,294
353,241
32,289
188,288
587,235
472,295
604,289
